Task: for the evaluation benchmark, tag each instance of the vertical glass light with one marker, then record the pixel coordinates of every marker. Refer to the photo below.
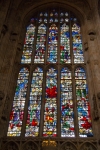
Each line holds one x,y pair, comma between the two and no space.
40,44
50,113
52,44
67,114
17,112
28,44
65,44
77,44
83,106
34,107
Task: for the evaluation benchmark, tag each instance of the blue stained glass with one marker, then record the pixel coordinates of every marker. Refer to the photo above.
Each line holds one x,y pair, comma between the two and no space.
28,44
65,44
67,114
41,44
34,107
83,106
77,44
53,44
17,113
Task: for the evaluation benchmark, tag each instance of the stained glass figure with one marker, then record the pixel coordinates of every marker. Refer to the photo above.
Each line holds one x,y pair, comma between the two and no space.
17,112
67,114
41,44
40,20
66,14
77,44
61,20
34,107
52,44
83,106
45,14
65,44
51,14
51,20
66,20
56,14
41,14
45,20
61,14
56,20
50,114
28,44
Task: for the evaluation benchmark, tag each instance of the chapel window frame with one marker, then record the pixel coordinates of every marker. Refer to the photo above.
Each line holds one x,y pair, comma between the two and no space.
71,66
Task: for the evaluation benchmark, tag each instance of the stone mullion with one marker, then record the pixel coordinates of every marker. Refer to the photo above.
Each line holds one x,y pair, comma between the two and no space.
58,51
42,104
71,41
35,42
46,52
58,84
74,102
26,104
58,106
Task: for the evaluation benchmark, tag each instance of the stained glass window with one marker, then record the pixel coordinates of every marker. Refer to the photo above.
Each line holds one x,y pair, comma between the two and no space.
40,45
77,44
52,44
17,112
50,114
28,44
65,44
67,114
83,106
57,101
34,107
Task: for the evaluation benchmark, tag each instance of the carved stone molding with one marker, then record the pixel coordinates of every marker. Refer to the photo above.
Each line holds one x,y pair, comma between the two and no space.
11,146
68,146
87,146
4,29
30,146
95,109
92,35
13,36
85,46
98,95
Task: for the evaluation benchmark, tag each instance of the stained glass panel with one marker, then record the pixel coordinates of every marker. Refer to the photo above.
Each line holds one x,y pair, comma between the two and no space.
28,44
52,44
50,114
34,107
83,106
65,44
67,114
77,44
17,113
40,45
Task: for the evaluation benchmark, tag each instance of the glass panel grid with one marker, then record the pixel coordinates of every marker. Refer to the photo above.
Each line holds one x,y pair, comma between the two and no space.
28,45
83,106
34,107
50,113
40,45
67,114
65,44
52,44
77,44
17,113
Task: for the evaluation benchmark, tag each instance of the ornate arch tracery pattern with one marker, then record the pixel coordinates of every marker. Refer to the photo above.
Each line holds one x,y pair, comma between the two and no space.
49,34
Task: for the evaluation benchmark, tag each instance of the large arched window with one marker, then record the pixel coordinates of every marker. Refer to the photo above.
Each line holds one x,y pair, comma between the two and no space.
56,98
